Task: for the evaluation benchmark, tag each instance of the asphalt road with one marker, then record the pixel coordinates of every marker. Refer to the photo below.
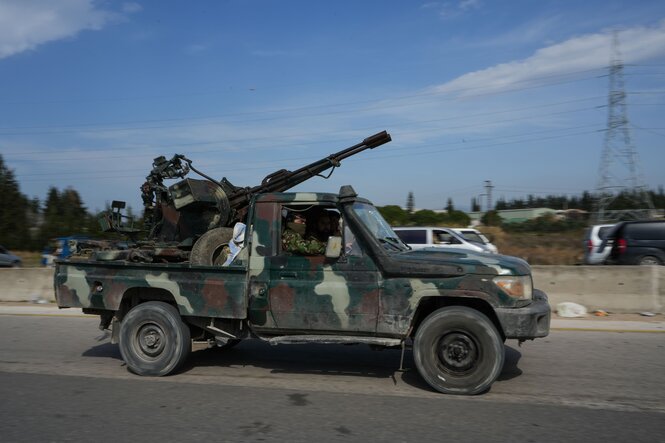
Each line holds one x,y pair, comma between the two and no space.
61,380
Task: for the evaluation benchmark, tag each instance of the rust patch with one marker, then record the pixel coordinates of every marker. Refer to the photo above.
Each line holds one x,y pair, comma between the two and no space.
282,298
215,295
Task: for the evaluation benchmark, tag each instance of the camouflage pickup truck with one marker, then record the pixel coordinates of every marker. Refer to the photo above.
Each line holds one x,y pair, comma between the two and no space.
455,308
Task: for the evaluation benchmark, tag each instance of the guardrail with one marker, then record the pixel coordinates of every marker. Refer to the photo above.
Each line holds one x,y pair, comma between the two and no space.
619,289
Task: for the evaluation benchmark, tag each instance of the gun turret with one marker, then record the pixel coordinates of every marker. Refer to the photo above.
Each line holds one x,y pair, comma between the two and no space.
189,208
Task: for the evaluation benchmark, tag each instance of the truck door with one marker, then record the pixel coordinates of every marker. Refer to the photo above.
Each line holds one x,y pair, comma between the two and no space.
308,291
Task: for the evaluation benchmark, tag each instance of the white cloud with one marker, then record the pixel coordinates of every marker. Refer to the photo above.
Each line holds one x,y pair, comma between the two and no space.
131,7
586,52
26,24
450,10
466,5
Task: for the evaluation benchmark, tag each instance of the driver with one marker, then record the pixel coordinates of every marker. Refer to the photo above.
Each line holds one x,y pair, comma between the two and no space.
295,239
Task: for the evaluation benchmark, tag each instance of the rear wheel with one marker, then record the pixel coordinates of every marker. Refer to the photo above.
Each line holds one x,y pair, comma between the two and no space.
457,350
649,260
154,340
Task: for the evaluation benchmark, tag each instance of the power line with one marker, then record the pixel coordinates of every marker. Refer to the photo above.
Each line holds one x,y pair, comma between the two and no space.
380,102
378,156
410,123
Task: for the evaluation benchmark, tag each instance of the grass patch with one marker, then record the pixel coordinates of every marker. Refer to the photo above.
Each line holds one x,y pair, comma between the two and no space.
556,248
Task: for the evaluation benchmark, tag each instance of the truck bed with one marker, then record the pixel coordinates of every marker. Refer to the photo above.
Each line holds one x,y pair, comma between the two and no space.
198,291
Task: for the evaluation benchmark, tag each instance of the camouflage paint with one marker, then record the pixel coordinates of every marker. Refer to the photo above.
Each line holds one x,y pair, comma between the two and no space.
376,293
201,291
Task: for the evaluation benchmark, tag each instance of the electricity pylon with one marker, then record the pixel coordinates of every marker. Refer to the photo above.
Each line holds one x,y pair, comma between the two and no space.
619,165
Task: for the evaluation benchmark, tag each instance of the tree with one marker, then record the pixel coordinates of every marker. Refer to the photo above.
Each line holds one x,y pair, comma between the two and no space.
425,217
475,207
64,215
491,218
449,205
410,203
456,218
394,215
14,207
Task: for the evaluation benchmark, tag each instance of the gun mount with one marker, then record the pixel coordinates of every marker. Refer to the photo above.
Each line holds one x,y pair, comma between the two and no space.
183,212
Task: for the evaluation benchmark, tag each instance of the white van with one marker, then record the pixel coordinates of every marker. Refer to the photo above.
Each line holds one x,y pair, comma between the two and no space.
419,237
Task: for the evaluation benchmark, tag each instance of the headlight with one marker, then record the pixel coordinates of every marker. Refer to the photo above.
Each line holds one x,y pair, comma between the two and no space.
517,286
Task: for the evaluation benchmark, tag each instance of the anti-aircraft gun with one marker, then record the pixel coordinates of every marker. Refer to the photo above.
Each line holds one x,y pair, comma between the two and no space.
198,215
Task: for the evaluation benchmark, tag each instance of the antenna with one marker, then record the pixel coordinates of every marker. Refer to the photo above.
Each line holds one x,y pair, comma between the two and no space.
619,173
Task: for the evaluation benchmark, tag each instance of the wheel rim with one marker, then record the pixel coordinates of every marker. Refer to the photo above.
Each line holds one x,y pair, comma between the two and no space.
150,340
458,353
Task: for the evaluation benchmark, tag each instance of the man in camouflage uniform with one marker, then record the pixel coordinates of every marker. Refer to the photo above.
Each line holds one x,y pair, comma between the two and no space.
294,240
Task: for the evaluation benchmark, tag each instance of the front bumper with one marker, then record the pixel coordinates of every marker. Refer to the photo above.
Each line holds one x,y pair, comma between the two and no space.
529,322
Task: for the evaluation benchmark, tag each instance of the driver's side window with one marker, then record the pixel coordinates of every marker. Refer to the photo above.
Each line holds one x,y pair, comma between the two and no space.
306,228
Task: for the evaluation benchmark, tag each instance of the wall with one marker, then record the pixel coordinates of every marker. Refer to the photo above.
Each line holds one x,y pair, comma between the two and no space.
612,288
26,284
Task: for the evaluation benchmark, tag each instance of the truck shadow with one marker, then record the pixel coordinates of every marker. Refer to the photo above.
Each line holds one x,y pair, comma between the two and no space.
105,350
321,359
325,359
510,369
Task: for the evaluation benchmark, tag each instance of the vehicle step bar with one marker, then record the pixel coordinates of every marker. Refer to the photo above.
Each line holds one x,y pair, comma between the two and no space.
333,339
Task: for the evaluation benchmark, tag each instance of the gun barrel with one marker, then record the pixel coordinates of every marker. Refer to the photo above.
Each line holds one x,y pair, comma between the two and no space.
282,180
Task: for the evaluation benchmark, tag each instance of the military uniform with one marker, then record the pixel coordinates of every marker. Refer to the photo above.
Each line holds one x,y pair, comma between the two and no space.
295,243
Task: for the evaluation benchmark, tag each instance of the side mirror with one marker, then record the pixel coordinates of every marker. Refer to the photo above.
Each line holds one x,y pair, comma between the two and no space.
334,247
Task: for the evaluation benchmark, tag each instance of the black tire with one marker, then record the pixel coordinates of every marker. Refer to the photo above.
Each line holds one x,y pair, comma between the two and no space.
154,340
212,248
649,260
457,350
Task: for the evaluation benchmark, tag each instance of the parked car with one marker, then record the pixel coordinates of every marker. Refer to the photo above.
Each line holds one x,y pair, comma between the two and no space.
9,259
593,237
636,243
424,236
475,236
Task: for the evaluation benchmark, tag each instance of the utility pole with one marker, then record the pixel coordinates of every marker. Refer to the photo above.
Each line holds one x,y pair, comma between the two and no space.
488,192
619,167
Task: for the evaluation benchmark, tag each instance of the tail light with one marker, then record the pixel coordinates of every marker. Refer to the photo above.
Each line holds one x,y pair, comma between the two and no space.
621,245
589,245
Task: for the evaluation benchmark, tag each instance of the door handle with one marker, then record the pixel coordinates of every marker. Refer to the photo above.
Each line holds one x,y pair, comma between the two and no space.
288,275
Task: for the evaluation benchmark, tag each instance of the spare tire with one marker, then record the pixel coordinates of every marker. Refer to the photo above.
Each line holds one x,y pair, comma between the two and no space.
212,248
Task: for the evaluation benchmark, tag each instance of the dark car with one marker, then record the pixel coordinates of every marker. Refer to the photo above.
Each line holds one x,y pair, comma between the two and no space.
8,259
636,243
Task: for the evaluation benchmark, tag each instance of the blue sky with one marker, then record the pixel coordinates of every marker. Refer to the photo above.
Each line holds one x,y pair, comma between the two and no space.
509,91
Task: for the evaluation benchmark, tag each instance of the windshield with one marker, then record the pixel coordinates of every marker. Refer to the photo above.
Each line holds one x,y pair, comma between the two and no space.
378,227
474,237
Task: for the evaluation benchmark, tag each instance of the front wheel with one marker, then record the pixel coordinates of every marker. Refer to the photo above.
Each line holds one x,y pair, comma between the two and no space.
154,341
457,350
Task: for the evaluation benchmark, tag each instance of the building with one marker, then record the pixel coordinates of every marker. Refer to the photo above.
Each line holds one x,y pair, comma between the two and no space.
515,215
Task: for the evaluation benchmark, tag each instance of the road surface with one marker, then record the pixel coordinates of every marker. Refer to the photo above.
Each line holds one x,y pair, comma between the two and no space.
62,380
